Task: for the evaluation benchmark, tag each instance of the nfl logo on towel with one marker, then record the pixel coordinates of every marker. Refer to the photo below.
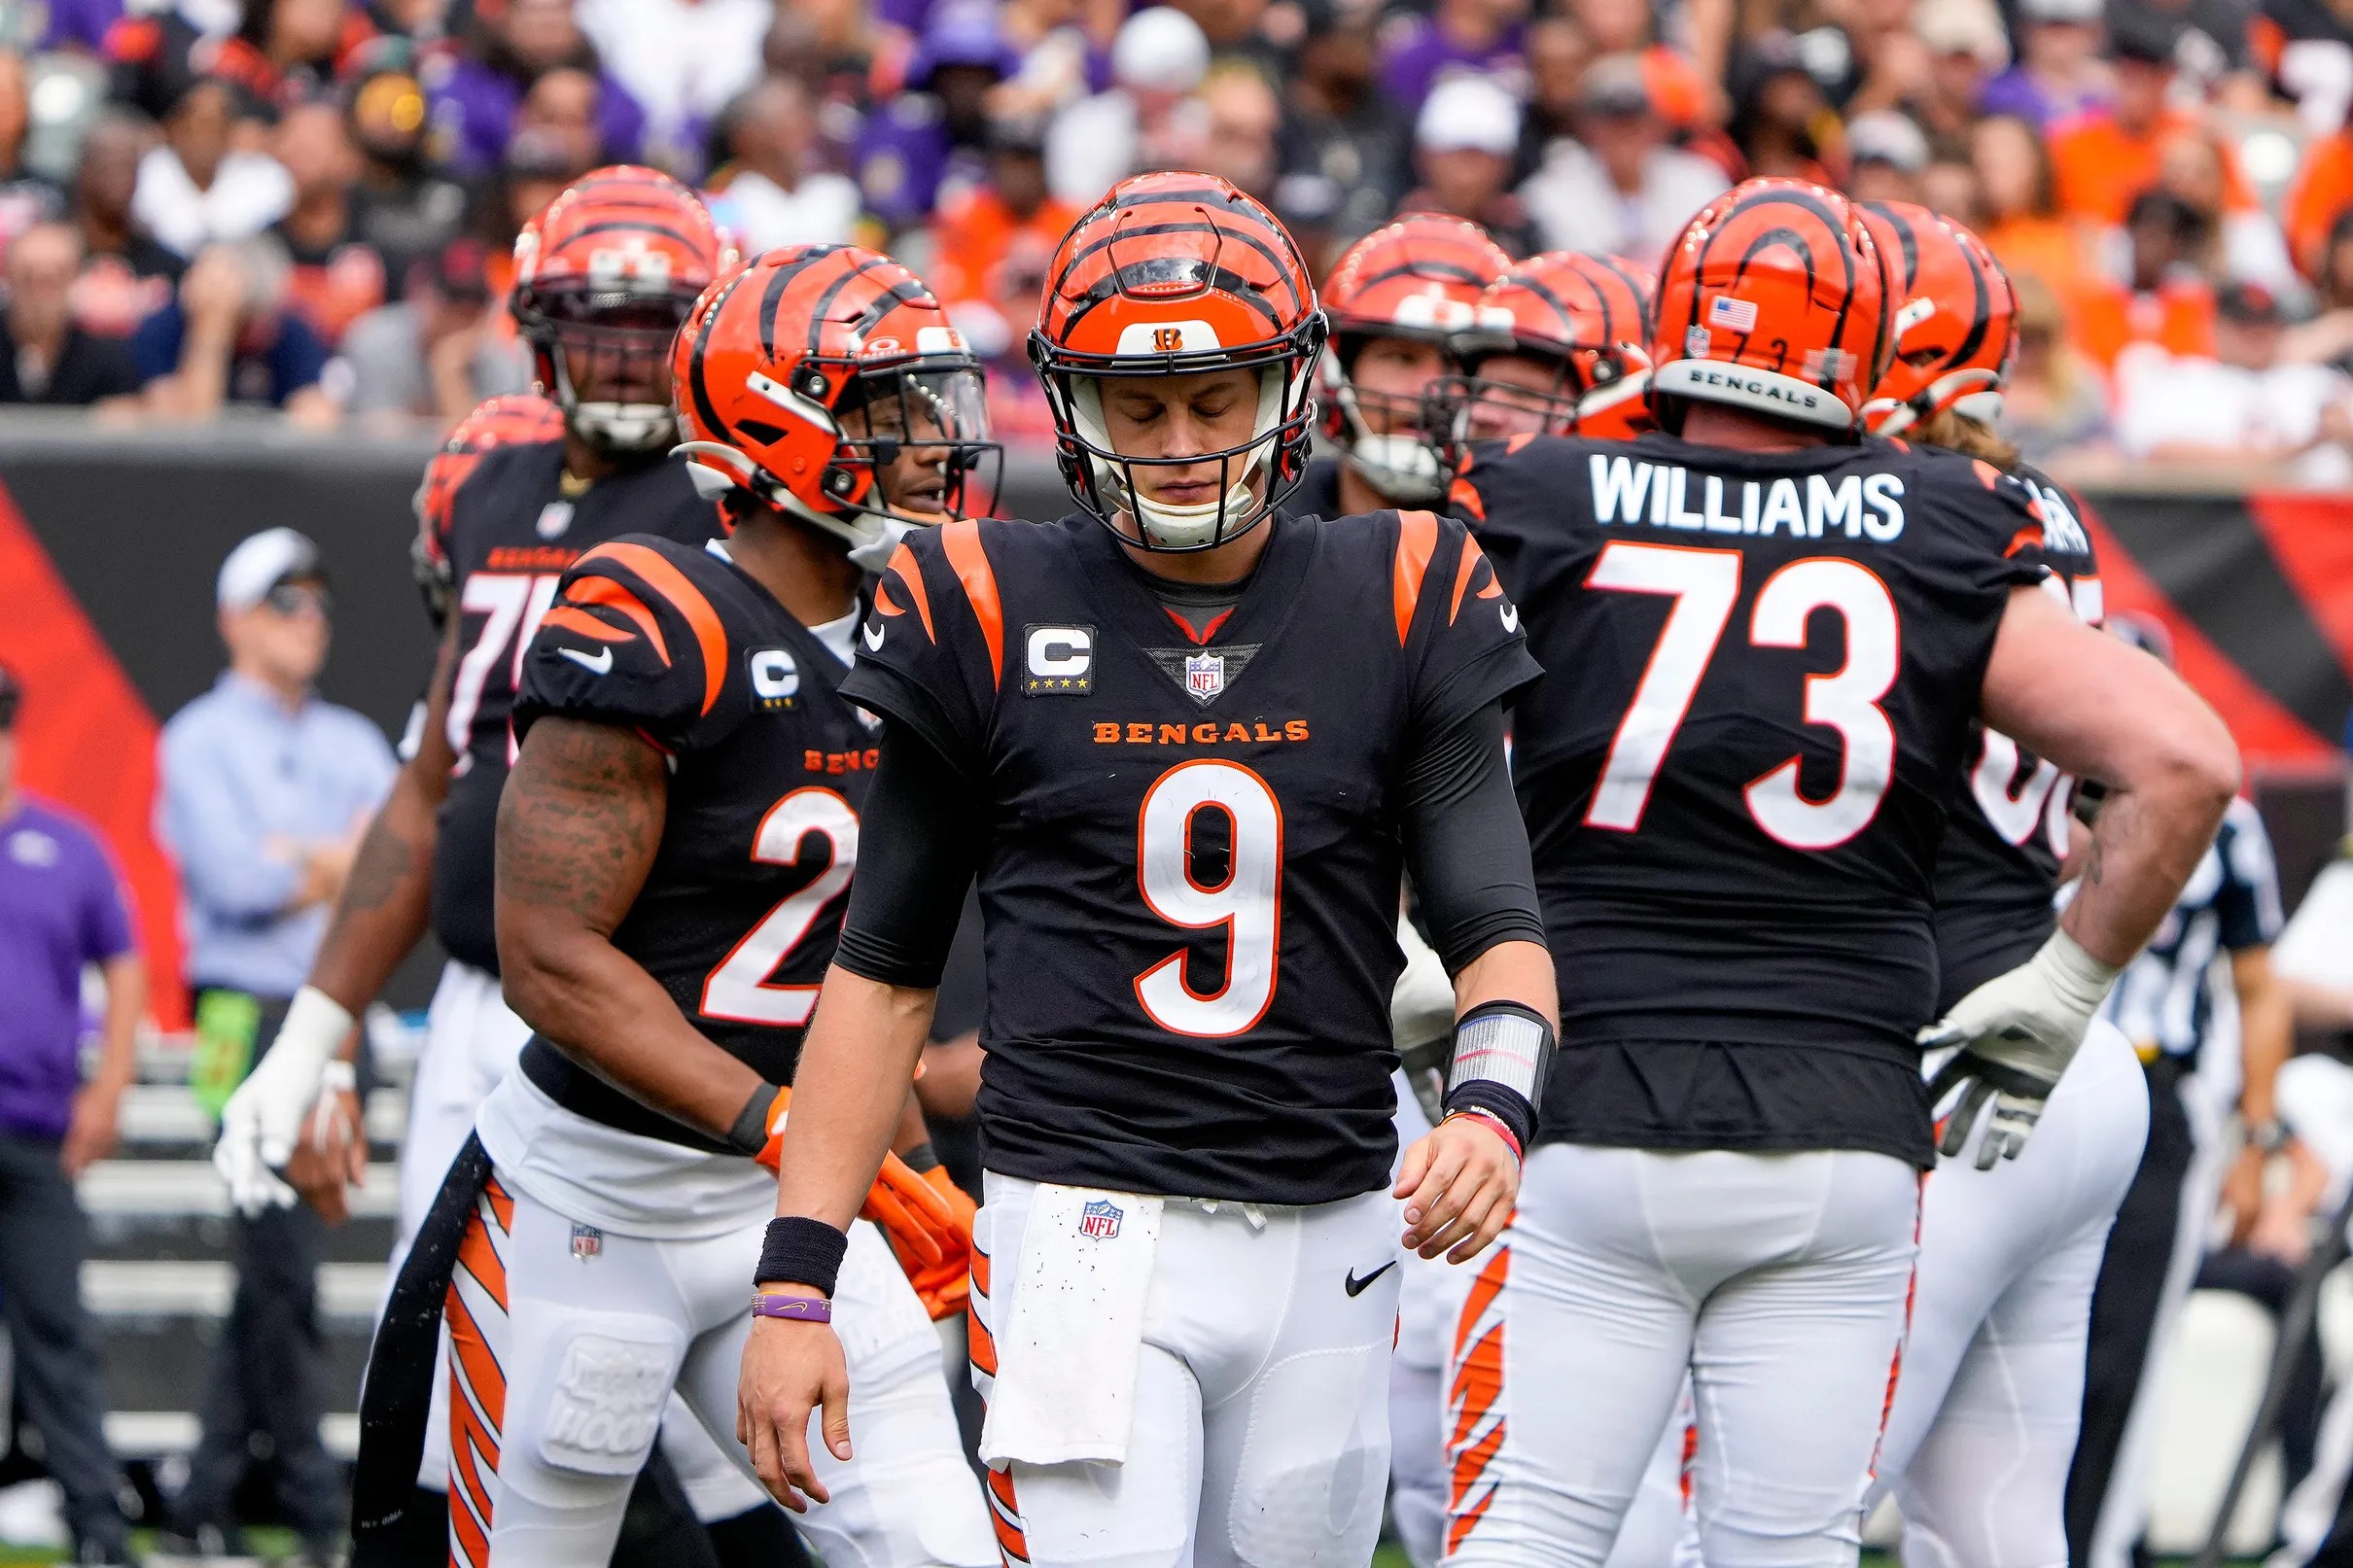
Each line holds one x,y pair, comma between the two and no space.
1204,677
1732,315
1100,1219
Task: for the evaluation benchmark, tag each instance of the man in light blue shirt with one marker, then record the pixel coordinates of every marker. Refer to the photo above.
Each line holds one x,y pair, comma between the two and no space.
264,789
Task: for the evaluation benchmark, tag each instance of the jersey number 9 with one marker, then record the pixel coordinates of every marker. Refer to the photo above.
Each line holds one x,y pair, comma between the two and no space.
1247,904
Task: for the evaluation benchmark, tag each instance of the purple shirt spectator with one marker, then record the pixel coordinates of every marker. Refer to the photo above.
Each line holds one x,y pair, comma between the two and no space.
80,24
60,908
473,112
1421,52
2015,93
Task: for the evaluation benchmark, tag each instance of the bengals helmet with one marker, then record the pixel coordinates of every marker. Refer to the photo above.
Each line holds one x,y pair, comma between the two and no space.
1777,301
510,419
1179,275
806,375
602,280
1420,278
1562,347
1956,327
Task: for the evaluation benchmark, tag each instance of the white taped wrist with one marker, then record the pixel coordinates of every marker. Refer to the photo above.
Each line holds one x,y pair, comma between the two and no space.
2074,974
315,1028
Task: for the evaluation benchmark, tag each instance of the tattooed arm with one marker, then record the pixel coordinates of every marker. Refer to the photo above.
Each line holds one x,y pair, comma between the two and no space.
2102,710
387,898
578,824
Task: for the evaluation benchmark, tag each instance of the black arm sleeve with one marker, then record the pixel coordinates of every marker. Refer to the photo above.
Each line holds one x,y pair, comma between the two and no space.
1465,845
916,857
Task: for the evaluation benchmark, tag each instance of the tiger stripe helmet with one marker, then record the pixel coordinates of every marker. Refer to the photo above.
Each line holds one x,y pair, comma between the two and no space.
1955,325
510,419
1777,300
1176,273
805,374
1421,278
601,279
1588,318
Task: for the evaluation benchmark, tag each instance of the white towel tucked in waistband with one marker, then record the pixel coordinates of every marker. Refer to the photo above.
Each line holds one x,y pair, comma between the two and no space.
1068,1353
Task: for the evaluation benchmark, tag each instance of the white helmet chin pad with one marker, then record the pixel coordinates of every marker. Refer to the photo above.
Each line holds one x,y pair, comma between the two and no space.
1181,528
623,426
1403,467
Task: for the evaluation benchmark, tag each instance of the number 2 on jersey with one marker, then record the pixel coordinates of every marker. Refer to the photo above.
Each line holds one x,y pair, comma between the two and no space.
1704,585
739,989
1247,904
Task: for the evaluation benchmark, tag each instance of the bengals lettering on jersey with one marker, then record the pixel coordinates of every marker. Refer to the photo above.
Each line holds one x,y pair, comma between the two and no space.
1762,672
740,910
1192,869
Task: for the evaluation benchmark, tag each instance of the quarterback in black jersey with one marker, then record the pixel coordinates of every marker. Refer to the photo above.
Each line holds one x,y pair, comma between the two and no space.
1188,745
674,847
1765,642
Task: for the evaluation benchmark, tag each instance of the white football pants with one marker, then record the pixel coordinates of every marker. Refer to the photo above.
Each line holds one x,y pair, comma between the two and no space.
1984,1424
1776,1281
564,1357
1260,1433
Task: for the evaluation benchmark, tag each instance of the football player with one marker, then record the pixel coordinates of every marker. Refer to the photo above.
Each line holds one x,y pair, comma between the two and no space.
1766,641
1396,300
674,843
1993,1367
1187,741
1561,347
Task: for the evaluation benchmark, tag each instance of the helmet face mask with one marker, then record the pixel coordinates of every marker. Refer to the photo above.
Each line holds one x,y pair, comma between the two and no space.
1956,327
608,362
825,382
1558,350
1176,339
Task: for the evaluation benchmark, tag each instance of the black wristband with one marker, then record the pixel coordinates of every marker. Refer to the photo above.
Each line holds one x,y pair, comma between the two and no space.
1506,1105
922,1157
801,1251
750,1133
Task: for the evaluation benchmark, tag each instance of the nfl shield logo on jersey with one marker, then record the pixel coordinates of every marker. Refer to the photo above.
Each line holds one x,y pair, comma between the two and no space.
1100,1219
586,1242
554,518
1204,676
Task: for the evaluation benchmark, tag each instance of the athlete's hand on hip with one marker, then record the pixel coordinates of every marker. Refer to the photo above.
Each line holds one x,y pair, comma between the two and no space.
790,1371
267,1114
1459,1183
2016,1034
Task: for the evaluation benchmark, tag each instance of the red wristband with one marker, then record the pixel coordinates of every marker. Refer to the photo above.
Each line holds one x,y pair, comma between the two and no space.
1495,1123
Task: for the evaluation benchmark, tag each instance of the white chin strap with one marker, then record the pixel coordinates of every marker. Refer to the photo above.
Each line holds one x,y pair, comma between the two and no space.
1171,527
1885,416
624,427
1403,467
715,469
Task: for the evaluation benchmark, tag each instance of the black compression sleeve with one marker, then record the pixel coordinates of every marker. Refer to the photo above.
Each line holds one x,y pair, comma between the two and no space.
916,855
1465,845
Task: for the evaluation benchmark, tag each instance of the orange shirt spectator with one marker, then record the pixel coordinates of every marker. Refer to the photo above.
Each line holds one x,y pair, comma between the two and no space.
2322,192
2106,158
990,244
2021,192
2163,300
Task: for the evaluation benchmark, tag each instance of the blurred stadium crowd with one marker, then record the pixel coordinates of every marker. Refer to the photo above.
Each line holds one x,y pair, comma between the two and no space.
308,205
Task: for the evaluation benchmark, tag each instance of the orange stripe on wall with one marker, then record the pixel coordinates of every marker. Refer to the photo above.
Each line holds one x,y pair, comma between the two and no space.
87,741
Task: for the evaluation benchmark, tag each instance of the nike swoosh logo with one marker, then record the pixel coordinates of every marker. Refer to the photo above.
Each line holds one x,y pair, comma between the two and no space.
874,637
1511,618
1357,1288
601,664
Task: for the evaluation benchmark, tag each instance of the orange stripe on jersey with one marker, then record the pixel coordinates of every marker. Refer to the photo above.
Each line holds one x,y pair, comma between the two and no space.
1464,498
962,541
684,598
478,1257
502,1203
1472,555
614,597
2023,539
1005,1514
1460,1526
980,1270
1987,473
910,575
983,1347
1478,1384
1417,540
566,618
471,1347
1483,1293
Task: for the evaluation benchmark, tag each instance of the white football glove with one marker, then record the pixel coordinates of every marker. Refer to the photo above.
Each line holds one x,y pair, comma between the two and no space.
270,1111
2015,1033
1422,1018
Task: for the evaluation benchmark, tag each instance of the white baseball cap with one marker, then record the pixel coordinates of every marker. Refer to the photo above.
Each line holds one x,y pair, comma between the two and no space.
260,563
1468,114
1161,47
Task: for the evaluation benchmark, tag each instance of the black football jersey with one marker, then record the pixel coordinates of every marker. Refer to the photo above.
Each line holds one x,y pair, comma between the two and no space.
768,764
512,534
1190,886
1761,674
1999,867
1318,492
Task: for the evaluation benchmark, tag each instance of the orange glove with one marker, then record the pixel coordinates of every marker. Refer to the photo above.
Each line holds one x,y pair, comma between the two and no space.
946,1285
926,1227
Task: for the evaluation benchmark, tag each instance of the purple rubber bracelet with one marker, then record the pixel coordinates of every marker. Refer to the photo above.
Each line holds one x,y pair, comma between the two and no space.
799,1309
